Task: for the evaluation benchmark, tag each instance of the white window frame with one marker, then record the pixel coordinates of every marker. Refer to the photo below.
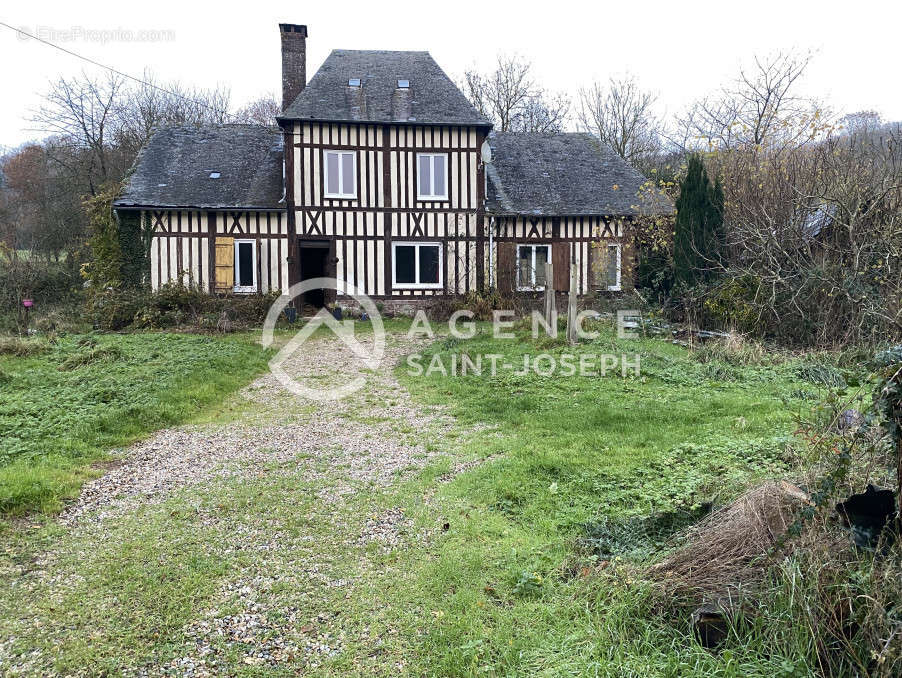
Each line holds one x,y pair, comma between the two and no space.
416,265
245,289
533,287
342,193
617,247
432,196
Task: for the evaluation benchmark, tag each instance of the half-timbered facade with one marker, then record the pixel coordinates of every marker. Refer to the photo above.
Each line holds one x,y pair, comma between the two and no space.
386,167
383,176
568,199
212,199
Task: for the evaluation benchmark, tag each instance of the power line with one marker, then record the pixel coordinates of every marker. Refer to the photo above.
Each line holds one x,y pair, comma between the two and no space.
111,69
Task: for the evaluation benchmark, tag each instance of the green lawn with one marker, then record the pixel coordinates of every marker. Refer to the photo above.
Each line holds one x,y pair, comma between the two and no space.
63,407
527,564
580,459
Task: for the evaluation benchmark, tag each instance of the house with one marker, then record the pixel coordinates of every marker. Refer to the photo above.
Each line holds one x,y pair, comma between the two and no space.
383,175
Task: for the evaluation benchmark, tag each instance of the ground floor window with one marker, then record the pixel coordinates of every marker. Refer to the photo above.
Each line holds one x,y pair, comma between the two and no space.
417,265
612,267
245,266
531,260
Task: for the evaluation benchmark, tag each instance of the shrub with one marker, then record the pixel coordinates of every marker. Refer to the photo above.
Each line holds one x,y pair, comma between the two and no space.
480,303
49,283
731,305
177,305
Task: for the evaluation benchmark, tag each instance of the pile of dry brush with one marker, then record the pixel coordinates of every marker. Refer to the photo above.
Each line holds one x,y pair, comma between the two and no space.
780,555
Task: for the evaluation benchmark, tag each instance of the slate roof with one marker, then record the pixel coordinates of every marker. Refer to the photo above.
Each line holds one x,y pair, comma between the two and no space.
174,167
564,174
435,99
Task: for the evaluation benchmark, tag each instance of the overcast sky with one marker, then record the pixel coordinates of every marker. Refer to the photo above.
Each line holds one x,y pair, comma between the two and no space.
681,50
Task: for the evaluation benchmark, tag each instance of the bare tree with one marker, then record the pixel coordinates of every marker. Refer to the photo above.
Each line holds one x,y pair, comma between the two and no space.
511,99
149,106
814,237
81,112
621,114
262,111
762,107
861,123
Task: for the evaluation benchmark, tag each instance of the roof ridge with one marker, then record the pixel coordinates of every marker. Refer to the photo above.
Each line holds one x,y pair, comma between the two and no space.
383,51
436,99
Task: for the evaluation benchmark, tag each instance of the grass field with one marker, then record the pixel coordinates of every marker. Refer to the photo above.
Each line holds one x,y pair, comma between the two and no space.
580,461
63,406
514,555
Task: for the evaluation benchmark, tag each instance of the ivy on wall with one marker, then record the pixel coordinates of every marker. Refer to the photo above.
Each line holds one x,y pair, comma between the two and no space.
104,270
134,242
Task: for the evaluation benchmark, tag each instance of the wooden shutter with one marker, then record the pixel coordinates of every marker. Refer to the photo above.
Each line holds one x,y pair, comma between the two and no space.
560,258
507,267
225,264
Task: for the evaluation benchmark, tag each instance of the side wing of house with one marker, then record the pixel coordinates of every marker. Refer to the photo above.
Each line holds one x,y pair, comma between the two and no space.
212,202
567,199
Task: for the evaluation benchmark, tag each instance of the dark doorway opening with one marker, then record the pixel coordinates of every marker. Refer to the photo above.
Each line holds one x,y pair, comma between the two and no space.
314,260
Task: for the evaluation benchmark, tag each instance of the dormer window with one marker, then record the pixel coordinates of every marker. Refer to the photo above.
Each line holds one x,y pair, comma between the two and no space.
341,174
432,176
354,82
403,84
214,175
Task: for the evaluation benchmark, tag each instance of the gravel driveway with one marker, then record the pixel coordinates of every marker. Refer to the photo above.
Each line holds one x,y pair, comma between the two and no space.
281,608
362,434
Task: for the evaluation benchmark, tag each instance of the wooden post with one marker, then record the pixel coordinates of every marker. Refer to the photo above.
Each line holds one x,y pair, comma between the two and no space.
550,310
571,302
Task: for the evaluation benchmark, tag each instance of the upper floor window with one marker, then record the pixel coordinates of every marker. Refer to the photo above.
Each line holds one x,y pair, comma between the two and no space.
341,174
432,176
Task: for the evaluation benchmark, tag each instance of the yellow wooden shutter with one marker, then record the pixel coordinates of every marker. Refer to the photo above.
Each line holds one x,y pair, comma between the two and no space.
225,264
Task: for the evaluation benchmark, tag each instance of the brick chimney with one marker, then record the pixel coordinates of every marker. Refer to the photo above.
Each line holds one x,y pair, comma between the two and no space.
294,61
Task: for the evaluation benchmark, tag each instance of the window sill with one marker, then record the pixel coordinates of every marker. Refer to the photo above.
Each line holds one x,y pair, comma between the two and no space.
531,289
417,286
614,288
244,290
332,196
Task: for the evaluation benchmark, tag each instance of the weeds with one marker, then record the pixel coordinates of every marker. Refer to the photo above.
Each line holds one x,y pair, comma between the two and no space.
22,348
90,356
65,408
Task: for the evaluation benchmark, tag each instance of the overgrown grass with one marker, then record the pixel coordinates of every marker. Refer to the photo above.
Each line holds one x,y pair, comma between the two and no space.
64,406
591,470
525,565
